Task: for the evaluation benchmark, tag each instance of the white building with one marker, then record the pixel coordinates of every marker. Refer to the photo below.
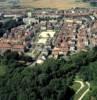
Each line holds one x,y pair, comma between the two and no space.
29,20
29,14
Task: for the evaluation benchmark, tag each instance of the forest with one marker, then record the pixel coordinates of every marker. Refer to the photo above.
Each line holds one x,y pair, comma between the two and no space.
48,81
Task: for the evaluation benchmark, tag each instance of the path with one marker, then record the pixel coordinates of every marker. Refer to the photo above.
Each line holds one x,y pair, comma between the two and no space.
81,88
88,89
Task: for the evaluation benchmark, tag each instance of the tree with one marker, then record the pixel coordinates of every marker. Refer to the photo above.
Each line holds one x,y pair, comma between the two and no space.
94,93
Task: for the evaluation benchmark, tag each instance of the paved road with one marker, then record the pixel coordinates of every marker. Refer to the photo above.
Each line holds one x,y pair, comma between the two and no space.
81,87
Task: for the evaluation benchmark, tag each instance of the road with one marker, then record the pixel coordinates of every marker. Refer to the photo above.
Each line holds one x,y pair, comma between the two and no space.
88,84
82,87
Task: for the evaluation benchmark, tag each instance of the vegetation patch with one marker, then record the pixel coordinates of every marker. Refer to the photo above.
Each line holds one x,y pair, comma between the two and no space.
2,70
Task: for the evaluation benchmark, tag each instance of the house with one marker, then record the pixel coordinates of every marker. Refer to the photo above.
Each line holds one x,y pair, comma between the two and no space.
61,49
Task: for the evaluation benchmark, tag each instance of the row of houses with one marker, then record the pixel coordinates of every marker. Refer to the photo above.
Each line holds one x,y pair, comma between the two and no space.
7,46
18,38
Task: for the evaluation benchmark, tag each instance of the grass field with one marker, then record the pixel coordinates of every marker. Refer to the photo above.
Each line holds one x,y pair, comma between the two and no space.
60,4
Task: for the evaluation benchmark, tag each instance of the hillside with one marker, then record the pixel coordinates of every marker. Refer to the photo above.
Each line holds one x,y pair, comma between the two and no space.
53,3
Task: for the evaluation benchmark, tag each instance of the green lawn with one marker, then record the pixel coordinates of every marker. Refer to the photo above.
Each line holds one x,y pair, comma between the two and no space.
87,96
76,86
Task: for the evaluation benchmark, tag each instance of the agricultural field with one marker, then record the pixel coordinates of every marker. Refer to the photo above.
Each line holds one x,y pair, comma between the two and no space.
60,4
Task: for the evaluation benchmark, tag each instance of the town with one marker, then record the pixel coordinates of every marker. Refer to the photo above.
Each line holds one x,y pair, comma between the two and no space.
43,33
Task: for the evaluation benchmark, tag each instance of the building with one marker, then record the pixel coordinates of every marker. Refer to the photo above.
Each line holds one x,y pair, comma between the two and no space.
6,46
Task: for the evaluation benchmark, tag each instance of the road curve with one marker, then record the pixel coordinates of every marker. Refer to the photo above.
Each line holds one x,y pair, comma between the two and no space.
81,87
85,91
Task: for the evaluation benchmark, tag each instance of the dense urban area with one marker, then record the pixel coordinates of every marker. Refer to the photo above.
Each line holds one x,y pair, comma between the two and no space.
48,54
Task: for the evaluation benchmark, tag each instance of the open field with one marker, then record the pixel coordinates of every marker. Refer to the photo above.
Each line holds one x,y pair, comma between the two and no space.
61,4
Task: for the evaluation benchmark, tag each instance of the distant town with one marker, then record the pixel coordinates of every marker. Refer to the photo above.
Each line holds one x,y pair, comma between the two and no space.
42,33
